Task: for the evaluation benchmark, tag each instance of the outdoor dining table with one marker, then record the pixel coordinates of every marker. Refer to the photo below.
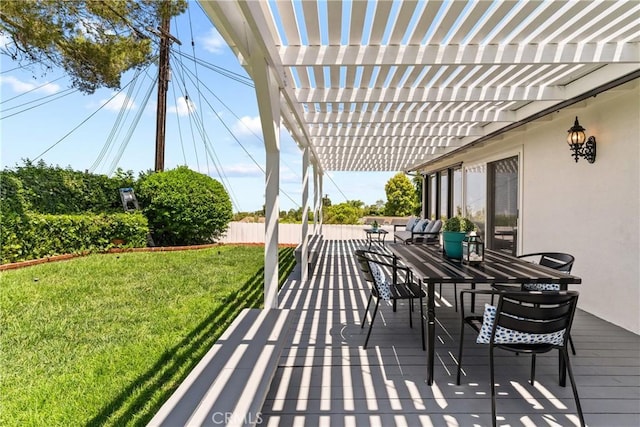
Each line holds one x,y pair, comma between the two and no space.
432,267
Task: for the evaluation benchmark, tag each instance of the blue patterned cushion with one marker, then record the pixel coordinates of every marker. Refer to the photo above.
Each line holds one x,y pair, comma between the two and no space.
541,287
412,223
509,336
381,281
420,225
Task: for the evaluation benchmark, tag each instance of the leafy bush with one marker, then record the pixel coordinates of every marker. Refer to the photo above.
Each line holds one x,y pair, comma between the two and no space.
44,235
53,190
13,208
184,207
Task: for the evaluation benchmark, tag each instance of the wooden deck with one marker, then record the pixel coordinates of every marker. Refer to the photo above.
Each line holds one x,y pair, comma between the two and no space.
326,378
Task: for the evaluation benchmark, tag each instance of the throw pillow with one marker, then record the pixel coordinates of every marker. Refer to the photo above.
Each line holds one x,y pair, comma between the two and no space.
434,226
541,287
509,336
411,223
381,281
420,225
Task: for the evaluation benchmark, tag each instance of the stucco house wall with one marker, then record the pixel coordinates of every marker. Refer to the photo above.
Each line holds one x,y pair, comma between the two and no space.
589,210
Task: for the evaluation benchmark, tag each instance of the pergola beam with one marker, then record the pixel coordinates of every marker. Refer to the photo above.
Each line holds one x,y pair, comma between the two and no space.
450,95
453,54
398,131
434,116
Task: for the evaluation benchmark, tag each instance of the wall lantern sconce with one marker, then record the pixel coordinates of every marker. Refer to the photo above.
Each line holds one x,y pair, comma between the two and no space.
581,145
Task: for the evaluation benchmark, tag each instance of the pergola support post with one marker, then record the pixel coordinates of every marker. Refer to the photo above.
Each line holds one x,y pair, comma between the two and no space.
304,272
268,95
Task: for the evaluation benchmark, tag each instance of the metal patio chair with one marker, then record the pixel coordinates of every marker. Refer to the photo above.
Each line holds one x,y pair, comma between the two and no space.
402,287
530,322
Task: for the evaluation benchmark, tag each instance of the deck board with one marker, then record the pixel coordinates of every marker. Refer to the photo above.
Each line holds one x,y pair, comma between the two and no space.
324,376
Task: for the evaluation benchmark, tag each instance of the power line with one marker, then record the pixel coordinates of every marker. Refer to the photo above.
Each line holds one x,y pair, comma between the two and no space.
56,96
32,90
123,112
77,127
208,148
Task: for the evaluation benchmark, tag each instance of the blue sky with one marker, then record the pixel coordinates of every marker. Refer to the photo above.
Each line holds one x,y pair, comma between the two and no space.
213,124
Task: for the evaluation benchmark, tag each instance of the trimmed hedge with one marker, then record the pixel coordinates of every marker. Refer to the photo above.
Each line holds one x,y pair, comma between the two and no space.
54,190
42,235
184,207
49,211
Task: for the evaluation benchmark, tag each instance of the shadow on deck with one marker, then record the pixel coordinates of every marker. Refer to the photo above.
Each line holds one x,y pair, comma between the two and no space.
324,376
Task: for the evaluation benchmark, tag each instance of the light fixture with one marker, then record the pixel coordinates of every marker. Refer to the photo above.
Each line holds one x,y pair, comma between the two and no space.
581,145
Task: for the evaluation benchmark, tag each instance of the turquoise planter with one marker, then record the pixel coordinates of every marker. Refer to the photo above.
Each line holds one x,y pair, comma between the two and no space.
452,243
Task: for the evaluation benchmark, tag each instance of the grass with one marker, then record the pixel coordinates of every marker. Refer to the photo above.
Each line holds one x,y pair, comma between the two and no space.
105,339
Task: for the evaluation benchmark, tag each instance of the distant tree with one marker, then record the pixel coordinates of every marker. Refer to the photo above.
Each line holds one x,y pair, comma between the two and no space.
326,201
94,41
417,183
356,203
348,212
400,196
294,216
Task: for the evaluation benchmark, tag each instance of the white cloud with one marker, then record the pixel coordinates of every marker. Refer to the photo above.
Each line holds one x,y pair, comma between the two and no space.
248,126
289,177
183,107
242,170
19,86
118,102
213,42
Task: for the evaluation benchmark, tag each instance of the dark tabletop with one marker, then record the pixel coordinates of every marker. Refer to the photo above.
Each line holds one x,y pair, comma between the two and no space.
429,264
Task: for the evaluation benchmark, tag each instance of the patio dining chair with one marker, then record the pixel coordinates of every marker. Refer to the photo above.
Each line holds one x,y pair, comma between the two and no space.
558,261
401,287
530,322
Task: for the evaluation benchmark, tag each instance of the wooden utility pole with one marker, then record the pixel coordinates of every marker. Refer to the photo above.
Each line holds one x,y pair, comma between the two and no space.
163,86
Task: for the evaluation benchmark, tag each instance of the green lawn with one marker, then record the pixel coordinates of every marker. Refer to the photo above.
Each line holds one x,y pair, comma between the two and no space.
105,339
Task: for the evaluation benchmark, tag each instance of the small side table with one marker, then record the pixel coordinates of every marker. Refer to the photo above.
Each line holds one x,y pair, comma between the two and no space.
375,231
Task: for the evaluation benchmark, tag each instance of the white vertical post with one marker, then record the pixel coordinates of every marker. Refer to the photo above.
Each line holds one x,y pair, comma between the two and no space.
304,271
268,94
320,205
423,196
317,200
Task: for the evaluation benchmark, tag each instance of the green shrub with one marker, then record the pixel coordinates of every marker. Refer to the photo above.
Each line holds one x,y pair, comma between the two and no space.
184,207
53,190
43,235
13,220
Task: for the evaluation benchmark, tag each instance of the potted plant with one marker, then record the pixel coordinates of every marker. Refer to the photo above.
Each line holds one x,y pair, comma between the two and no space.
454,230
375,225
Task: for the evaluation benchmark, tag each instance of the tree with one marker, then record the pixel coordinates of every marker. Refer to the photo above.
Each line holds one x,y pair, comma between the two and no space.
94,41
417,183
348,212
400,196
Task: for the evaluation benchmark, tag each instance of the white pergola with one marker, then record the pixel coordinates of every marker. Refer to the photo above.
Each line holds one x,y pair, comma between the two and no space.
394,85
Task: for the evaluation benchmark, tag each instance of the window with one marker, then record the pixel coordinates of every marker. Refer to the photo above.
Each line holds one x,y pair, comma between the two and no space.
456,193
502,221
476,195
444,195
433,196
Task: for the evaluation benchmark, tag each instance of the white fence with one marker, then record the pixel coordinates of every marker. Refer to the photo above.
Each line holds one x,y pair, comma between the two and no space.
253,232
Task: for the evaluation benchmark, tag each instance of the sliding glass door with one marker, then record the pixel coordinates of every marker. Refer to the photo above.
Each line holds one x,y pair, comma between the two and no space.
502,203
